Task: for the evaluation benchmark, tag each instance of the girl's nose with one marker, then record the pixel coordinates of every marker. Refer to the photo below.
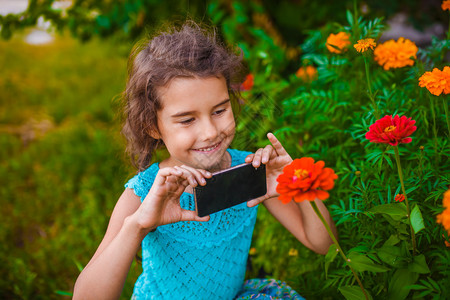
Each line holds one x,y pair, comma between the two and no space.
209,130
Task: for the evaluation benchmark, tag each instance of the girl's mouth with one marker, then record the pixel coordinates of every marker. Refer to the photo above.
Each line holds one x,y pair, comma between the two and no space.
208,149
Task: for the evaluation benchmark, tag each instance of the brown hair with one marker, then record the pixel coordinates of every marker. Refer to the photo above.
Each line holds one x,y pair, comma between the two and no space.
189,50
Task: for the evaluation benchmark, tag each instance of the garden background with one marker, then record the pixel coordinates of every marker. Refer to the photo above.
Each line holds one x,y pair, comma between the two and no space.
62,161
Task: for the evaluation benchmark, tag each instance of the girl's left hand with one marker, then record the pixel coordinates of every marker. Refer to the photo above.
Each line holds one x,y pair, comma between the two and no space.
275,158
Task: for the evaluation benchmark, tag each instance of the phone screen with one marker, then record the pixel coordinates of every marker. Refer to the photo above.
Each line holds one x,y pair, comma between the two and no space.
230,187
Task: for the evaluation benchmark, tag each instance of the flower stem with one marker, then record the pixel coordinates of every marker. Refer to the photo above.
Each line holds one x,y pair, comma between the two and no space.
408,209
371,96
433,114
333,238
448,31
444,101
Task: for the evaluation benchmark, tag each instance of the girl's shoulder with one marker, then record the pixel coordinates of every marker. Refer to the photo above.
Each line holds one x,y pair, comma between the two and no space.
238,156
142,181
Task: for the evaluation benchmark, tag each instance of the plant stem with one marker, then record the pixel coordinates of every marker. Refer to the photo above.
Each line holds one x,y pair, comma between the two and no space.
408,209
444,102
371,96
448,31
333,238
433,113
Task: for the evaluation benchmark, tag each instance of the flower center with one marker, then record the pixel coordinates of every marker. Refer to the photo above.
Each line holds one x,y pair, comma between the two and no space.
389,129
300,174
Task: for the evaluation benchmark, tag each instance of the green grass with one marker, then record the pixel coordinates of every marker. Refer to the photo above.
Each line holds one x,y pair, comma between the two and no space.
62,162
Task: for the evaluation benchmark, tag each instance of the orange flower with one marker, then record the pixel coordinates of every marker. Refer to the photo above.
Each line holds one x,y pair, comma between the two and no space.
437,81
399,198
445,5
395,54
444,217
364,45
308,73
248,83
337,43
305,180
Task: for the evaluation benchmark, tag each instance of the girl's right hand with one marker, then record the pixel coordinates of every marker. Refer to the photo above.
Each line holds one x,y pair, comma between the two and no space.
162,204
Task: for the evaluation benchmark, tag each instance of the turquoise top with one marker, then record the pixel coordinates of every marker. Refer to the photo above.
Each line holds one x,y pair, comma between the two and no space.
195,260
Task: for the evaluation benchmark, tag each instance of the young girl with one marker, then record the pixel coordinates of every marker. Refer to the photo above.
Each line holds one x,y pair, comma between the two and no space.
179,96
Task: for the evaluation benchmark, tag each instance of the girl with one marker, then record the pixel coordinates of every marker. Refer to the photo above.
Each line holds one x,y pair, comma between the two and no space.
179,95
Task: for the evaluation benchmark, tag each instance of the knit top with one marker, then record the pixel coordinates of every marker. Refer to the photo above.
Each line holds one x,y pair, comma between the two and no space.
195,260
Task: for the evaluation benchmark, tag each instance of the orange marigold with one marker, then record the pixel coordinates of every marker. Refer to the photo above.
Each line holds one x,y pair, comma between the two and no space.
437,81
305,180
395,54
399,197
338,43
308,73
445,5
364,45
444,217
248,83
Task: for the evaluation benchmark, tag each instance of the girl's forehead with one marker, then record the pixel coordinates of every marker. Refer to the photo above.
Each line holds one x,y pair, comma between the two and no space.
192,92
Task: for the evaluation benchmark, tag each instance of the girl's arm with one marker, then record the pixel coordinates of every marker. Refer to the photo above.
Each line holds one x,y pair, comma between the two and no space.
299,218
105,274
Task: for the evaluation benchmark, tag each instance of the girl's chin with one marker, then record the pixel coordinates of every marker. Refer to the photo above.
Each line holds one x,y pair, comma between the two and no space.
214,163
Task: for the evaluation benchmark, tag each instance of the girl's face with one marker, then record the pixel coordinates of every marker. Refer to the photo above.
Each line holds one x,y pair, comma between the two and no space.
196,122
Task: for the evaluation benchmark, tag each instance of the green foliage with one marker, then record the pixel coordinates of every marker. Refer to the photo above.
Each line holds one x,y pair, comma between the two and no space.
327,119
62,162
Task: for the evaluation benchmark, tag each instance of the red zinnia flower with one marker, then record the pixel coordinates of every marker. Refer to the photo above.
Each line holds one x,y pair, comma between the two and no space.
305,180
399,198
393,131
248,83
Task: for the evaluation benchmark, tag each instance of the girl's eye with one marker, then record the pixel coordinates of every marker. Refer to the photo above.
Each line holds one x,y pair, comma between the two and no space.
220,111
188,121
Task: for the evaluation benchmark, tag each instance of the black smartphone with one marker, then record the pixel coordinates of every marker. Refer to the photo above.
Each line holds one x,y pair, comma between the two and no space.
230,187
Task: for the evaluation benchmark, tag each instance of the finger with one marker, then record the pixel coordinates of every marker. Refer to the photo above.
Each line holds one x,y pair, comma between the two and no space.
267,153
257,201
196,173
249,158
256,162
276,144
187,174
190,215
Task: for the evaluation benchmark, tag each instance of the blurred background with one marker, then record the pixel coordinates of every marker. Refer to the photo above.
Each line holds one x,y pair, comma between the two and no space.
63,67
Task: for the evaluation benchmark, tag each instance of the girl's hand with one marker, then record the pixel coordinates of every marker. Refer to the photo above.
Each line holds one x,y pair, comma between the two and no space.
275,158
162,204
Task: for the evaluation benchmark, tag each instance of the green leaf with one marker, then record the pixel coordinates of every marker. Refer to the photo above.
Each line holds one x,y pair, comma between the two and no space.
349,18
329,258
353,292
399,285
392,255
395,210
64,293
416,219
419,265
362,263
392,240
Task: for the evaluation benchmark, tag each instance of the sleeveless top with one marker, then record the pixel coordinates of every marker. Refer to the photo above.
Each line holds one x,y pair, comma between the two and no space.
195,260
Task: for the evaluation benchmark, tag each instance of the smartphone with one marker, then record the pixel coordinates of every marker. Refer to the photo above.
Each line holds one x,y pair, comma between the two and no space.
230,187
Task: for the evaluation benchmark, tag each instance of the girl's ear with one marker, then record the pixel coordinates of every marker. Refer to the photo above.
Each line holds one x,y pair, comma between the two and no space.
154,133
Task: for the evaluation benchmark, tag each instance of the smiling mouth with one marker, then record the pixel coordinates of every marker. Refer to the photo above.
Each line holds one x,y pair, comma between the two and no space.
208,149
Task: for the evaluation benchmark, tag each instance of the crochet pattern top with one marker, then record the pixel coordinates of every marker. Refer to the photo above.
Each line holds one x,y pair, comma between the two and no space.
195,260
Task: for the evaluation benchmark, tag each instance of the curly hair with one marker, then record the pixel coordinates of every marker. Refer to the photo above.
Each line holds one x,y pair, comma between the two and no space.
188,51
